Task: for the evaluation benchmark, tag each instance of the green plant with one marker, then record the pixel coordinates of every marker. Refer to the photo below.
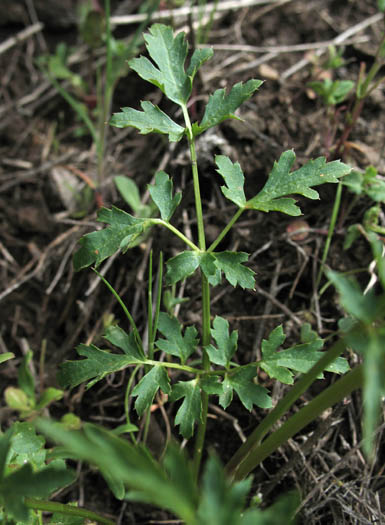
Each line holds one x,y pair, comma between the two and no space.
204,362
215,373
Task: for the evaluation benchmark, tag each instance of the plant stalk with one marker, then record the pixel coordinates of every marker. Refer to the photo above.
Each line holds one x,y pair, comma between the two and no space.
332,395
254,440
206,330
68,510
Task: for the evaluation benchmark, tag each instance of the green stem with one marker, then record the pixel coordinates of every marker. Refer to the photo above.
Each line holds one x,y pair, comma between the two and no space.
178,233
206,330
226,229
332,395
254,440
68,510
197,193
333,220
128,315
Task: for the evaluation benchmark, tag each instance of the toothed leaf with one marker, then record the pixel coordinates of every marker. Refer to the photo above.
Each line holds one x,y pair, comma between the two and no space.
234,179
161,194
176,344
122,231
148,386
150,120
190,410
222,105
282,182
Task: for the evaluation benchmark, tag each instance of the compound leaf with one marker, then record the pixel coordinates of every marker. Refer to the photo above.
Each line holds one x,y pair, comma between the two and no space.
150,120
176,344
191,408
148,386
300,358
222,106
98,364
249,392
230,263
161,194
283,182
226,342
122,231
234,179
181,266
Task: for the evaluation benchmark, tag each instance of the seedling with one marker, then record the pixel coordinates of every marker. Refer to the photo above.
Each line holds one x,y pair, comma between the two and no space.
203,356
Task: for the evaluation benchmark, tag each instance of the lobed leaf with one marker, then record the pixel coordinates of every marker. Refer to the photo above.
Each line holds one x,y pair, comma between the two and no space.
234,179
250,393
161,194
176,344
300,358
148,386
122,231
98,364
190,410
150,120
222,106
226,343
283,182
230,263
169,54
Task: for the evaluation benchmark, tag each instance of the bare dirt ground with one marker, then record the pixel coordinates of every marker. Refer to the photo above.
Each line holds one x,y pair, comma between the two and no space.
46,307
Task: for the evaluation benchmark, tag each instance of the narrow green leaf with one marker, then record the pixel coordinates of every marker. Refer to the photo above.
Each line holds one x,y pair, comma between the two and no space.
148,386
150,120
248,391
130,193
126,342
161,194
98,245
191,408
6,356
222,106
181,266
234,179
381,5
176,344
374,386
25,378
230,263
98,364
226,343
169,54
283,182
